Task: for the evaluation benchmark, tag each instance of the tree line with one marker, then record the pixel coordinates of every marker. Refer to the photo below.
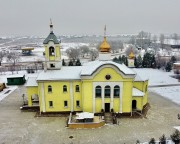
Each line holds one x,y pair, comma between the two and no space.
145,39
175,137
148,61
72,62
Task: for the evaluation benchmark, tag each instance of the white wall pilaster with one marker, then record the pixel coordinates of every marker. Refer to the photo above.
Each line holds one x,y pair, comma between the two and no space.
102,92
43,98
71,97
112,98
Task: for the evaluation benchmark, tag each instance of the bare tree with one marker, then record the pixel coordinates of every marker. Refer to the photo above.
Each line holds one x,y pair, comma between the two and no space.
2,55
94,54
132,40
143,39
162,38
73,53
175,37
13,57
116,46
154,40
84,50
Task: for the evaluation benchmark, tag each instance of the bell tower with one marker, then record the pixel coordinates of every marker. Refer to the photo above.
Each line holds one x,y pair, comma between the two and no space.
52,51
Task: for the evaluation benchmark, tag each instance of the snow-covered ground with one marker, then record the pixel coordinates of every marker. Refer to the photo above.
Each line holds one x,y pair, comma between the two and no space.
65,46
9,89
37,53
171,93
156,77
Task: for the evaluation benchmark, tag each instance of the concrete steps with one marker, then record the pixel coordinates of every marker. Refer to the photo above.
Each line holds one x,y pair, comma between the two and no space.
108,118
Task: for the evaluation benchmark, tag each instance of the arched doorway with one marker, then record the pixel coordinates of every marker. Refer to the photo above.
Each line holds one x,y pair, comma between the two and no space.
134,104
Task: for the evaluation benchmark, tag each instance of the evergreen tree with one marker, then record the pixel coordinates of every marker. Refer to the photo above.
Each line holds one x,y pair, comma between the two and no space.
147,60
173,59
63,62
135,62
152,141
153,62
176,137
162,139
126,61
139,62
78,63
70,63
115,59
123,59
120,59
168,67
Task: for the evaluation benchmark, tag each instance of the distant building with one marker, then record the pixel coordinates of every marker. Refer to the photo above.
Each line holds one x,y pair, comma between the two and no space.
100,85
176,67
16,80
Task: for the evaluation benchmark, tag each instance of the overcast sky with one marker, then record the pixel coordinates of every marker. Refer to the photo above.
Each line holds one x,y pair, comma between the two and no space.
31,17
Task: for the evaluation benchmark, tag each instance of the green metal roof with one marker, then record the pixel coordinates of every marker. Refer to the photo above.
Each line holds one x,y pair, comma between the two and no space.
51,37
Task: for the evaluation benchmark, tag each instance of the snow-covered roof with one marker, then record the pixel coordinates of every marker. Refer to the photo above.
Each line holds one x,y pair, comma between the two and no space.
84,115
65,73
75,72
139,76
137,92
51,37
90,67
31,82
15,76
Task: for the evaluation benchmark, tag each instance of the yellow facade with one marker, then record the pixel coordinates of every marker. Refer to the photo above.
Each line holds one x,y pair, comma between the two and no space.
101,86
85,95
30,92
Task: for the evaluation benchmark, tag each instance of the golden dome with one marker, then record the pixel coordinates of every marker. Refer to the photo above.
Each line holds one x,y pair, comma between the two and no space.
104,47
131,55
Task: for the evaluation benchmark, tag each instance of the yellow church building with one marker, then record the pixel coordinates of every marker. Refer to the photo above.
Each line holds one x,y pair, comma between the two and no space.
96,86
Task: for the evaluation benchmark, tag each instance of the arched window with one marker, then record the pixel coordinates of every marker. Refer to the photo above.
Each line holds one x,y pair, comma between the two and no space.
77,88
107,91
64,88
49,88
51,51
98,91
116,91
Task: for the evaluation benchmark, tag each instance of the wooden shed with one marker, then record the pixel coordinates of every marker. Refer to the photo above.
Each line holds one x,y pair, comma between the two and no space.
16,80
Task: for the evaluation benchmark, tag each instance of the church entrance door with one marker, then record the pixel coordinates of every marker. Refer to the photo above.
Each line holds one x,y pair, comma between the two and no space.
134,104
107,107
